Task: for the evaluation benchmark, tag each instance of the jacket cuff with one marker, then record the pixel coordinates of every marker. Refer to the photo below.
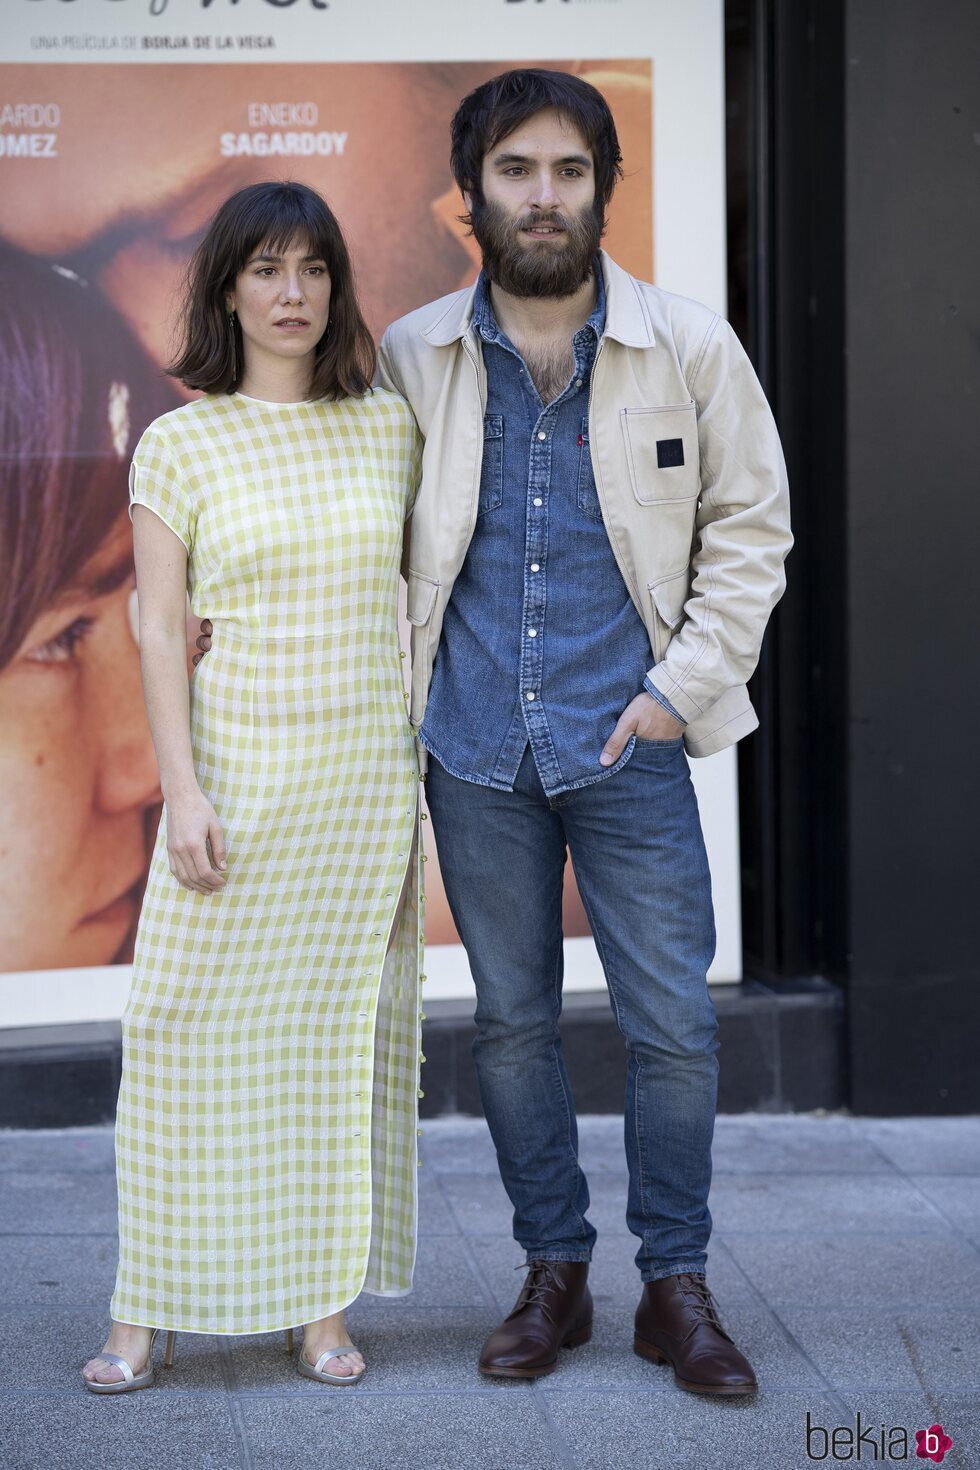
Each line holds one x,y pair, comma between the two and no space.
661,699
671,694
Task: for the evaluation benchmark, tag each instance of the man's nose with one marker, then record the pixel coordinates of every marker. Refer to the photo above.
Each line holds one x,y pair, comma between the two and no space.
544,192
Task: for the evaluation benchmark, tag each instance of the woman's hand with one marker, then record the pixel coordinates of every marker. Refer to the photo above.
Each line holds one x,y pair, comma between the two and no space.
191,824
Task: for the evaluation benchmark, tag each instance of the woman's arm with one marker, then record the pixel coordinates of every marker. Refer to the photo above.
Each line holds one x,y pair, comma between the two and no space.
161,582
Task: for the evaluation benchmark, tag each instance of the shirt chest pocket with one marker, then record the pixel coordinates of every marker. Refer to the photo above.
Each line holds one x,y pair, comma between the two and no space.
662,453
492,473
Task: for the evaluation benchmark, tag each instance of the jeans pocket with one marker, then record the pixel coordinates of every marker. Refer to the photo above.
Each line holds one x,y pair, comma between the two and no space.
492,473
588,498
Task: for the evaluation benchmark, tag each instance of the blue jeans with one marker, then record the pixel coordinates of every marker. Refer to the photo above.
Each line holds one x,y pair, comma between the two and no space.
636,844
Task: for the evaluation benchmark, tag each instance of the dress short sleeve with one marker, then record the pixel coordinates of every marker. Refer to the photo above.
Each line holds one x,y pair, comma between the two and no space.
156,481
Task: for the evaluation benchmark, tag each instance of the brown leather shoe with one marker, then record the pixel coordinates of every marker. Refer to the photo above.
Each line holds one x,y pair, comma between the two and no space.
677,1323
554,1310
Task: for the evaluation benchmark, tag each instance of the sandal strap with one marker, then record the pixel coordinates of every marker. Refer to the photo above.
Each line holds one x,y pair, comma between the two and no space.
120,1361
334,1353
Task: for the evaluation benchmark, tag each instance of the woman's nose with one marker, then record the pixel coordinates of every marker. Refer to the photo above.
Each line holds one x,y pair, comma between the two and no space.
128,776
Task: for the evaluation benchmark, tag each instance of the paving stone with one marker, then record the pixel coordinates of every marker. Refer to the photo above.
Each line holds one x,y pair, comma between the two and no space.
481,1206
926,1145
409,1351
958,1413
685,1431
957,1197
444,1277
435,1216
790,1144
88,1149
47,1270
871,1203
58,1202
855,1271
52,1345
888,1349
424,1431
130,1431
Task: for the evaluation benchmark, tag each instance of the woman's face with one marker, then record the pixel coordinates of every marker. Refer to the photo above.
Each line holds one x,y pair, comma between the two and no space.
78,774
283,305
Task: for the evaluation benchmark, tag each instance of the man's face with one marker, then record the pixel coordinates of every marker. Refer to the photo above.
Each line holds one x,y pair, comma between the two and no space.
537,224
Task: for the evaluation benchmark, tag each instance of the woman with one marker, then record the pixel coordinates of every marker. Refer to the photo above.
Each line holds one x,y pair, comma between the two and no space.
77,770
266,1128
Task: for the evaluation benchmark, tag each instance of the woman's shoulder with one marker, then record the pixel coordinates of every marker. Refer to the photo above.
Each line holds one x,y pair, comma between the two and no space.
182,426
388,412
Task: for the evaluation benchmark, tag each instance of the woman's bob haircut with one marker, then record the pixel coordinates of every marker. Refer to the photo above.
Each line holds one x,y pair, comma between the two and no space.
272,216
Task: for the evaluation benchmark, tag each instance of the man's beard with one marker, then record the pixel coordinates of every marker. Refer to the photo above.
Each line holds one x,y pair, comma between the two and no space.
536,270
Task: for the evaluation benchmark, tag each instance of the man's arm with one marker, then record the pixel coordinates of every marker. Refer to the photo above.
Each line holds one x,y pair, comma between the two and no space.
742,534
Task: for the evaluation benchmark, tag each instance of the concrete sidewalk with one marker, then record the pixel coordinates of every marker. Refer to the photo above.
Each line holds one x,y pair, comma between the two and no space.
845,1259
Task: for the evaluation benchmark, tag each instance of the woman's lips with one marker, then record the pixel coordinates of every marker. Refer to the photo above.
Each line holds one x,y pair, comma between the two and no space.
120,910
292,326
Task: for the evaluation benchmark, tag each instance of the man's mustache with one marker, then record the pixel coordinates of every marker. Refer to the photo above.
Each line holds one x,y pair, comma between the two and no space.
542,221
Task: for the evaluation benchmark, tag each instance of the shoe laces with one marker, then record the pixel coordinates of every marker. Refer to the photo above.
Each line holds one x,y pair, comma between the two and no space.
703,1304
542,1277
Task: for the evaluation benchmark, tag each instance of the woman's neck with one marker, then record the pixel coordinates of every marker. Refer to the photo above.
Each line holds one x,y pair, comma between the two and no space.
276,381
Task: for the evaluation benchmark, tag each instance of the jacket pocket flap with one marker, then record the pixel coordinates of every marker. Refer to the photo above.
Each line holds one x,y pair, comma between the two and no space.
662,452
669,596
421,598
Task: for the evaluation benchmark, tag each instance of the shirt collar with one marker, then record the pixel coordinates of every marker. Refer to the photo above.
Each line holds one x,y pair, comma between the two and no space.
485,322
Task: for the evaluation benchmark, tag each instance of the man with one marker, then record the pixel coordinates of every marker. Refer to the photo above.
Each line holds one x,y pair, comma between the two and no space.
602,481
602,484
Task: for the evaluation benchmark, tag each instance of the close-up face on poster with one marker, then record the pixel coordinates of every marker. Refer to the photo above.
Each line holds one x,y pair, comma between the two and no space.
123,127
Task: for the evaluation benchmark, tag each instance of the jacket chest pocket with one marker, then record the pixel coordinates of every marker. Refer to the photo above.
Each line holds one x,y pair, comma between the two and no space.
492,473
662,453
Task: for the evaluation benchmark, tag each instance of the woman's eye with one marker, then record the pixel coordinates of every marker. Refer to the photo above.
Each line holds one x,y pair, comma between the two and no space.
61,648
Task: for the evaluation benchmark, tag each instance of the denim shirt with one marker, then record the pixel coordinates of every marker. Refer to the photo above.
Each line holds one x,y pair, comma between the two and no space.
541,642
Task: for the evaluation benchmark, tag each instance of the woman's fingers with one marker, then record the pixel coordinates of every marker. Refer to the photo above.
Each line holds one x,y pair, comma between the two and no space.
196,846
218,852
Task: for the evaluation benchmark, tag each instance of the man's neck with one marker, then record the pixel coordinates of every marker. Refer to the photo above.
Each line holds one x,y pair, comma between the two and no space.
525,318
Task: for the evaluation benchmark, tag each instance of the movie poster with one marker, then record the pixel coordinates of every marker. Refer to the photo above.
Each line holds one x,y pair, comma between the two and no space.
123,125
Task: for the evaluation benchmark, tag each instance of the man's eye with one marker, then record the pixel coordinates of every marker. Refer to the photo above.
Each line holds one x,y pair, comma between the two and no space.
61,648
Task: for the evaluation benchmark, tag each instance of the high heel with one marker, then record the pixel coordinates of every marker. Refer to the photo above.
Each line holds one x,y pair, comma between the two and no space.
131,1380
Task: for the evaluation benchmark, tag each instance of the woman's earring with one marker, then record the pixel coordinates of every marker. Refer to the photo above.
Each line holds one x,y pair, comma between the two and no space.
234,349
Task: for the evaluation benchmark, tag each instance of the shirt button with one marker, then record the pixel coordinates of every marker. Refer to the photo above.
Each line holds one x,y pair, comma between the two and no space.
535,567
532,632
538,500
542,435
530,694
578,382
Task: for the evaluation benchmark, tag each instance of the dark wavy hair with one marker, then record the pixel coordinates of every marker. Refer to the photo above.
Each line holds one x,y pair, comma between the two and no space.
273,214
492,111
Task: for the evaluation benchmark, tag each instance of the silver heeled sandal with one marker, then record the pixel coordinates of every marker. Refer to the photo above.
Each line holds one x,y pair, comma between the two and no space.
316,1370
131,1380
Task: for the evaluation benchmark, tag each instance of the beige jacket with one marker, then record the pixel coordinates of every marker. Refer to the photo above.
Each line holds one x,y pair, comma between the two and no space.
700,544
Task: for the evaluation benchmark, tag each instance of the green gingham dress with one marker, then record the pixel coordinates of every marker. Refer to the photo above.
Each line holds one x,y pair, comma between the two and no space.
266,1131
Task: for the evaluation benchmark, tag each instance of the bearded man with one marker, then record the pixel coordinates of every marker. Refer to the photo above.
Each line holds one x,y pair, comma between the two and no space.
594,553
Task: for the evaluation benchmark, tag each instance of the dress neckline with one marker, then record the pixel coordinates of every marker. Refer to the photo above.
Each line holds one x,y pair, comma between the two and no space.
273,402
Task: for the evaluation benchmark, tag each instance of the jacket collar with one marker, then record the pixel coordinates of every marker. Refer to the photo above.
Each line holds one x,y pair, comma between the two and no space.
627,319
